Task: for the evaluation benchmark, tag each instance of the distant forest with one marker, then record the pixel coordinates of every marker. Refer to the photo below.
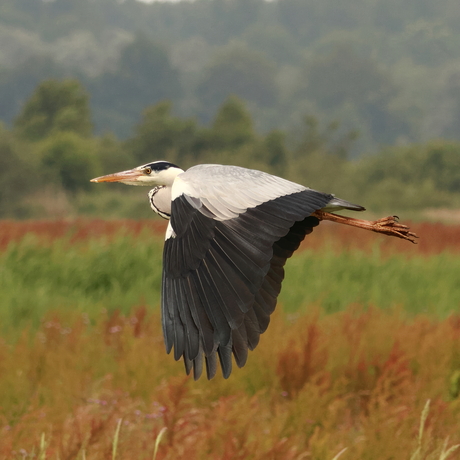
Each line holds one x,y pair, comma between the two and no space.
388,70
360,98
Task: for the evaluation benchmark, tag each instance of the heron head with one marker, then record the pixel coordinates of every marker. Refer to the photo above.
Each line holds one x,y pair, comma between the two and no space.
156,173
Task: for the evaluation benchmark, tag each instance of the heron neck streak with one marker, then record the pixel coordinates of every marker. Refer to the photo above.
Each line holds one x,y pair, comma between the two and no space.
160,201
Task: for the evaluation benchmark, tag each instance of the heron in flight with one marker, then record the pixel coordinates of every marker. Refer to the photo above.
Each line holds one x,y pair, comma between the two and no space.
229,235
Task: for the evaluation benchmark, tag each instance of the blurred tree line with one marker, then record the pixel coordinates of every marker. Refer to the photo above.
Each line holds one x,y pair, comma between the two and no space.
50,153
390,68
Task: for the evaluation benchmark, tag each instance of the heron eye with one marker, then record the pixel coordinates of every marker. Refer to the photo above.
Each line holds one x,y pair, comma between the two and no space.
147,171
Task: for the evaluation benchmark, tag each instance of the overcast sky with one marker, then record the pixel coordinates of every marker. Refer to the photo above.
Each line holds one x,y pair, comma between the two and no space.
170,1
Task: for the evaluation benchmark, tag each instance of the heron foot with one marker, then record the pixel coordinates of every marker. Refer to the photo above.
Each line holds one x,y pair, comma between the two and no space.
387,225
390,226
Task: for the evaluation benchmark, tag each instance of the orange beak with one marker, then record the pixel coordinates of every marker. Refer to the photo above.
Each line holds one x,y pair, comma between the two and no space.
128,177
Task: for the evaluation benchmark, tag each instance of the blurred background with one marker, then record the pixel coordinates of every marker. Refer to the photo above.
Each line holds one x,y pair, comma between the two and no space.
360,98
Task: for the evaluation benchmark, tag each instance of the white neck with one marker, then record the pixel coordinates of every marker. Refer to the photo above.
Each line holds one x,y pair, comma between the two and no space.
160,201
169,175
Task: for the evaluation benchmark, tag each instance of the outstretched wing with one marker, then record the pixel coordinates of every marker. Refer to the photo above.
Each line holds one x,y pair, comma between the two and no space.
230,233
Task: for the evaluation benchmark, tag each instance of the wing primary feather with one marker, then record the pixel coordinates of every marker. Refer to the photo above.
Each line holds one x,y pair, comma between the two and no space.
179,338
198,365
252,329
240,345
211,365
205,327
252,273
225,358
243,296
269,301
233,316
215,315
167,314
191,330
276,273
260,311
188,364
271,286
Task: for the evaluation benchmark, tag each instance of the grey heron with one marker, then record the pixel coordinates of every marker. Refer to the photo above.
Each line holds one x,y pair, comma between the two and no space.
229,235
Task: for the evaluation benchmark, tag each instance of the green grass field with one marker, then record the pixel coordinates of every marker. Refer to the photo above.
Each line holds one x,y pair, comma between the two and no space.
362,339
100,274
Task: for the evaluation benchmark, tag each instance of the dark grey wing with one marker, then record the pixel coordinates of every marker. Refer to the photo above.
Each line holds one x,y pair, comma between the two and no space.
221,279
230,233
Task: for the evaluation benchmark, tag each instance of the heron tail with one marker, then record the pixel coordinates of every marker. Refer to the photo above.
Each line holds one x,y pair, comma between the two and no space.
336,204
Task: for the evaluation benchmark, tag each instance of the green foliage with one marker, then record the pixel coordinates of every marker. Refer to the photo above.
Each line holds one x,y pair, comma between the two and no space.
329,140
18,175
69,159
161,135
416,176
241,72
87,276
345,77
109,203
144,76
413,177
319,156
274,41
335,281
112,154
145,66
19,82
274,152
55,106
386,68
232,126
231,137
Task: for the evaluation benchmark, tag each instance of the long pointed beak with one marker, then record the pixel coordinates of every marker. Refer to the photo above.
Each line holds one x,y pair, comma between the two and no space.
131,175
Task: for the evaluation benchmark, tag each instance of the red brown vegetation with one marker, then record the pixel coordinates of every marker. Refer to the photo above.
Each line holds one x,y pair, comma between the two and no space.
434,237
315,385
75,230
